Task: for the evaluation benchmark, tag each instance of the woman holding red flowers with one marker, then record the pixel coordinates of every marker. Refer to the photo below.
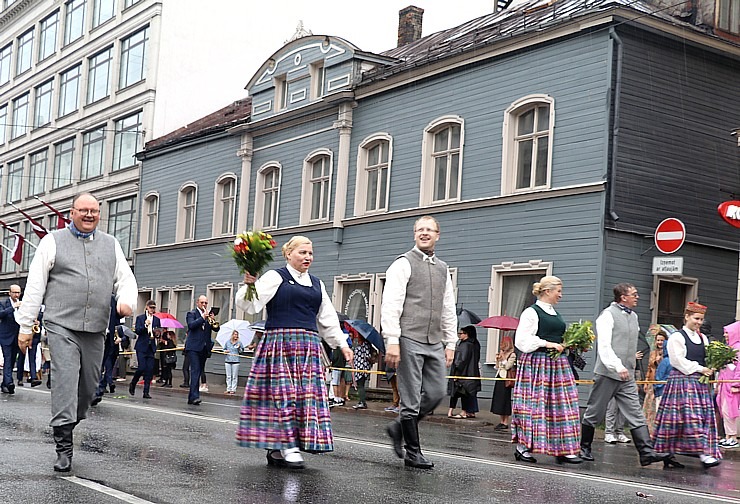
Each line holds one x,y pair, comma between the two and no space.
285,408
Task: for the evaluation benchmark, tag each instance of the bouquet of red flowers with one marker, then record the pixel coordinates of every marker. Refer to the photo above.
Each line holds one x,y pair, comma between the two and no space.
252,251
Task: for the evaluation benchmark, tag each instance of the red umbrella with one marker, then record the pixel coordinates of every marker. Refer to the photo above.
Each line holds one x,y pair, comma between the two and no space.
163,315
503,322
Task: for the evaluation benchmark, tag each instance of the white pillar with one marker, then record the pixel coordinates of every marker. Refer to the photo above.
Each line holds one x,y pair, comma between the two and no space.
245,153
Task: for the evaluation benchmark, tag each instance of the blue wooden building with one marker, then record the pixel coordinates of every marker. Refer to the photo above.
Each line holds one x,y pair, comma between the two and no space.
551,138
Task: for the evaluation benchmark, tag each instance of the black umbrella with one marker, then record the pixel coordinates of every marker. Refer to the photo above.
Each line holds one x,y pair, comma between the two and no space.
368,332
466,317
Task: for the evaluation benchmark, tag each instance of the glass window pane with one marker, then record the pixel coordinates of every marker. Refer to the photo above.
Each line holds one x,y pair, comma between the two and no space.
5,60
372,190
440,178
524,165
525,124
440,140
454,173
543,118
383,189
455,141
540,177
48,36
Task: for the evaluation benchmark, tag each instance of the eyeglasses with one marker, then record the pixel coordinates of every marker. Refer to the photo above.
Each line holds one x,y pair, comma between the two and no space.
425,230
86,211
634,294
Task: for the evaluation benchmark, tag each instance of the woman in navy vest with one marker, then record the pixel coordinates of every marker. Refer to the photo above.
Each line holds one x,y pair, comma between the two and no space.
685,422
285,408
545,417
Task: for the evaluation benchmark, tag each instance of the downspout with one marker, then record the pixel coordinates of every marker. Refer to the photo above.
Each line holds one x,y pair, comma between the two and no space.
615,128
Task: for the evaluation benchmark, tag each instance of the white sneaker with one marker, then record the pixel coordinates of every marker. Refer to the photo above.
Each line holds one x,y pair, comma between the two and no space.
623,439
203,388
610,438
730,443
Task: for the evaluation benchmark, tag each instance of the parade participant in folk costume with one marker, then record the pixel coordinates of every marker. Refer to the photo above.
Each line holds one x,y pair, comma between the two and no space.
419,324
685,422
73,272
545,416
279,413
617,330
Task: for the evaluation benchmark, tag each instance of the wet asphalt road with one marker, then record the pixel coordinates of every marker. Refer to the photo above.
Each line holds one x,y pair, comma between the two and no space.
164,451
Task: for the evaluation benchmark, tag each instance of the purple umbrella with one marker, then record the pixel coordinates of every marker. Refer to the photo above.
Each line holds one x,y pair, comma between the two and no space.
171,323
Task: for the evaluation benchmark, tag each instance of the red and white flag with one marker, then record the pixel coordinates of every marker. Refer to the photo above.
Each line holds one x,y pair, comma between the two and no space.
40,230
62,220
18,249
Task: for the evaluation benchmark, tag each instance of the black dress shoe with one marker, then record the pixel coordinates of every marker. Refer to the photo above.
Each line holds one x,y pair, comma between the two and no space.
396,434
20,383
96,400
147,396
5,389
672,462
184,385
196,402
568,459
112,388
132,388
35,383
274,460
63,463
11,389
524,456
585,454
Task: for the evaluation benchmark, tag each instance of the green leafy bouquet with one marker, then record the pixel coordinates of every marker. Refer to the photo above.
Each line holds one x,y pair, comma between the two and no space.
578,338
718,356
252,252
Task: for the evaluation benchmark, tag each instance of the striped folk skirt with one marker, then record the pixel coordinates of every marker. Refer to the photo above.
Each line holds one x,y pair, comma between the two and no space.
684,423
545,416
285,399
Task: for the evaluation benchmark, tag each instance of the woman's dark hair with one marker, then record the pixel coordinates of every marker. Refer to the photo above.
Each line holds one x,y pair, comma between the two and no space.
471,332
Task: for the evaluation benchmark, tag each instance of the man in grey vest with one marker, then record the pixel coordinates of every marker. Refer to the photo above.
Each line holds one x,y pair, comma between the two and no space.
419,325
73,272
617,331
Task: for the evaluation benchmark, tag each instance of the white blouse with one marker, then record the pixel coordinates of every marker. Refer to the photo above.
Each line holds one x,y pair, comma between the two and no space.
677,351
526,339
267,285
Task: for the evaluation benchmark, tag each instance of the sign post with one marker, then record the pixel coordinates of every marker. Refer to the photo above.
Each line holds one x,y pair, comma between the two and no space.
670,235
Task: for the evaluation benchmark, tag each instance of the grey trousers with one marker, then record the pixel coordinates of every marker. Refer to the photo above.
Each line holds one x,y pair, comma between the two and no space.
625,397
75,372
614,419
421,377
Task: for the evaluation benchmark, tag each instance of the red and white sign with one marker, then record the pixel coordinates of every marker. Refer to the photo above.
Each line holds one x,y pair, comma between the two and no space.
730,212
669,235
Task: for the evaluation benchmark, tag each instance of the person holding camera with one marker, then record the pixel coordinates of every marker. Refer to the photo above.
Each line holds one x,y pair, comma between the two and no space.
198,344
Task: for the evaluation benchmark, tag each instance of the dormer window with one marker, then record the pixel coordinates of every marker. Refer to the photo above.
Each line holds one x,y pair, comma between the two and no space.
318,80
281,93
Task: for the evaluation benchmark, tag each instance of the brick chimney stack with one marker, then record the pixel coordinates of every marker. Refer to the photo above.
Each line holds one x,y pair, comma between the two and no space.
409,25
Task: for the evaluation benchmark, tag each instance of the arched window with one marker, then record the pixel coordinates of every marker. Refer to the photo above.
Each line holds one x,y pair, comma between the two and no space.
373,174
186,204
527,152
317,173
442,160
150,221
224,214
267,196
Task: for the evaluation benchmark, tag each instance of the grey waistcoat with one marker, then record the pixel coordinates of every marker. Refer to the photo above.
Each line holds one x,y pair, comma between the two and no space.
81,282
421,319
624,341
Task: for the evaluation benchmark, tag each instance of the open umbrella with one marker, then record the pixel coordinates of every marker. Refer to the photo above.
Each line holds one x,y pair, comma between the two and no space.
368,332
466,317
246,333
503,322
171,323
164,315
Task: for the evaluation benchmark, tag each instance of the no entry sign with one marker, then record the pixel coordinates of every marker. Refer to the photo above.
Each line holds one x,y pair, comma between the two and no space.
669,235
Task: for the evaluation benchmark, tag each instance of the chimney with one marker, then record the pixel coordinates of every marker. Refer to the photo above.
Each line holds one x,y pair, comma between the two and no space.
409,25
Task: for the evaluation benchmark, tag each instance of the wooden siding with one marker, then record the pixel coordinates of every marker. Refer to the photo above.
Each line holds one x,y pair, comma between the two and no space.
574,72
202,163
676,157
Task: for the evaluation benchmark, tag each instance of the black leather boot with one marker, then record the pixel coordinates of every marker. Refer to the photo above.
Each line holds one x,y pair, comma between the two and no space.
63,440
395,432
644,445
414,457
587,437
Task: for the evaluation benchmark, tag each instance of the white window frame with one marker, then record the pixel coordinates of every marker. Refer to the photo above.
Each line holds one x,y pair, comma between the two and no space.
59,154
3,123
48,35
223,315
36,176
426,190
308,184
317,72
98,11
98,75
509,154
21,107
728,16
182,213
24,53
362,175
495,293
149,219
691,294
259,196
132,47
69,85
126,245
122,140
6,59
16,169
219,202
93,163
73,9
44,97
